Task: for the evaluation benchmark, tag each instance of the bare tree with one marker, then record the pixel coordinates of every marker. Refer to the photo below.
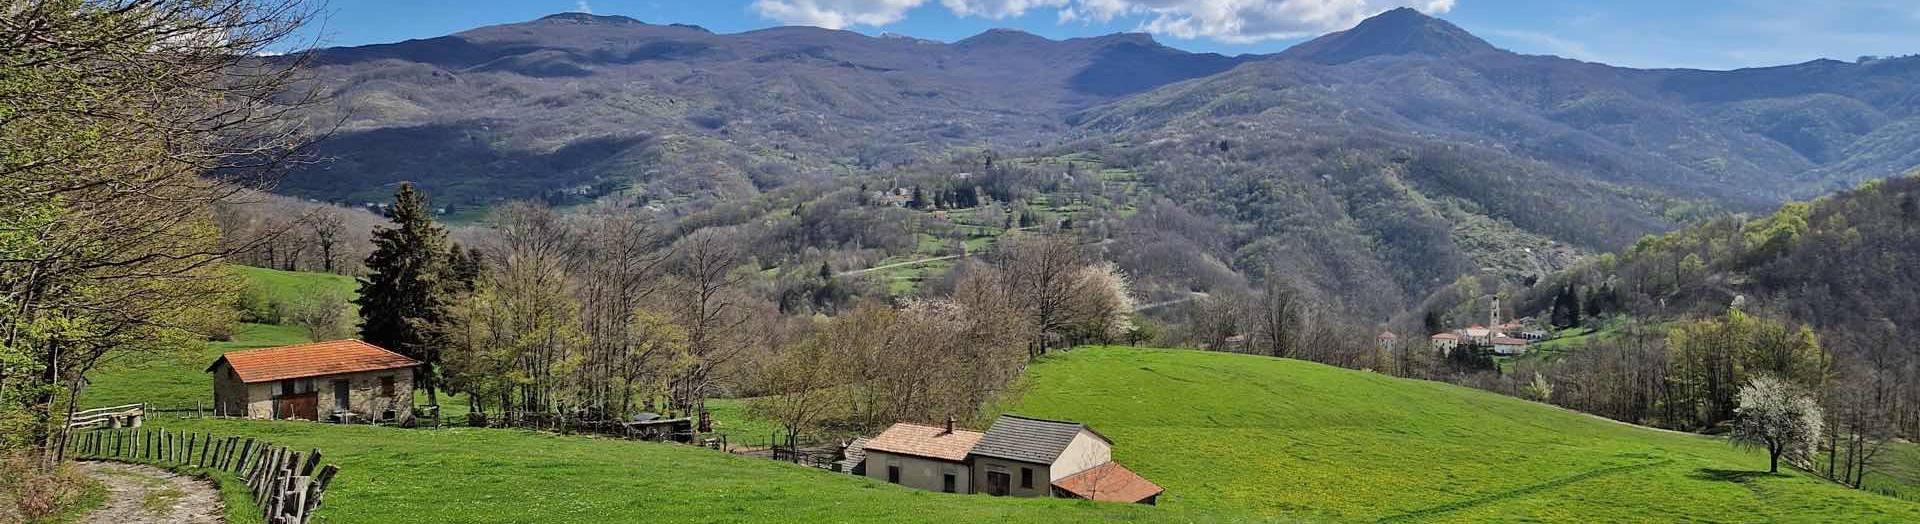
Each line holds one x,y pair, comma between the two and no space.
709,307
1042,271
325,227
1280,314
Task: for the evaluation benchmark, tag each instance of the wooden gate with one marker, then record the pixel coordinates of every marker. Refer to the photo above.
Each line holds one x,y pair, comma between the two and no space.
304,406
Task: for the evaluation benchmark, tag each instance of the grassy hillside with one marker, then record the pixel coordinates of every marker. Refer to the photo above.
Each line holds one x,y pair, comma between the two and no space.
179,379
1281,438
285,286
1232,437
493,475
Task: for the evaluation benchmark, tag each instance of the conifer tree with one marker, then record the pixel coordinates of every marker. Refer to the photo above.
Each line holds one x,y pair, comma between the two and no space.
407,291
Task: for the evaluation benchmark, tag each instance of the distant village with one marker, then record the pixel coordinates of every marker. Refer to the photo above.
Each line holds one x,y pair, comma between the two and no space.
1508,339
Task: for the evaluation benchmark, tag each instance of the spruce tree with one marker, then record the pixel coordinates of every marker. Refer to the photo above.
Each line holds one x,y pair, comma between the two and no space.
411,279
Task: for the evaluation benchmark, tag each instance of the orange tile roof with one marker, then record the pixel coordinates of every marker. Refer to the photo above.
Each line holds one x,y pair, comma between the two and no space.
1446,336
311,360
925,441
1109,482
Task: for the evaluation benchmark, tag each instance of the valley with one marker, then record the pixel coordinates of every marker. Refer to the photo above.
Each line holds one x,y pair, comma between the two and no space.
1140,261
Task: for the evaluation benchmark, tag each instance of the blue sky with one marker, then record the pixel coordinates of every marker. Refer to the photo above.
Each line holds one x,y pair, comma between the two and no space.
1716,34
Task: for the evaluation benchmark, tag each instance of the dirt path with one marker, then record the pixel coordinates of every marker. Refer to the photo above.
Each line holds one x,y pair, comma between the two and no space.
901,264
143,494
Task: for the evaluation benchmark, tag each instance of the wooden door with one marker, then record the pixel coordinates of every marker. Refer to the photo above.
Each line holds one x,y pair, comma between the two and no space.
999,483
305,406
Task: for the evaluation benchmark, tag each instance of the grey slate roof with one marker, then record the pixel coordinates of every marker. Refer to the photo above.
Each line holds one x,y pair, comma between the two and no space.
1038,441
856,456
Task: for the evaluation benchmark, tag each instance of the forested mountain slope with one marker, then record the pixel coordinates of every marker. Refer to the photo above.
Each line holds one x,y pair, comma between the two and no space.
1392,158
1379,163
1840,263
582,104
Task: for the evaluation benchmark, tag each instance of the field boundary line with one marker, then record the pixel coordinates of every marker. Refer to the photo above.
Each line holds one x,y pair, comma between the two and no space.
1519,492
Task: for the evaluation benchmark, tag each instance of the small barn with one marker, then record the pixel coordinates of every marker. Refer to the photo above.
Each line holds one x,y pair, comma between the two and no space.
341,380
1031,457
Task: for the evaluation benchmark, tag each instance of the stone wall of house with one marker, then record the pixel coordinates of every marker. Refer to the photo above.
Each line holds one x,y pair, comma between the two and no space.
260,400
984,467
229,393
365,397
919,472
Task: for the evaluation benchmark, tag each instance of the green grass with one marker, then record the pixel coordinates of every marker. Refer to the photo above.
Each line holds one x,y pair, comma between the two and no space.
1282,438
496,475
285,286
175,379
1896,471
730,417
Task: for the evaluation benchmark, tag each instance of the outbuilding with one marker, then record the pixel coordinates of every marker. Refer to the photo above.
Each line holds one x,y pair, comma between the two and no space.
1031,457
340,380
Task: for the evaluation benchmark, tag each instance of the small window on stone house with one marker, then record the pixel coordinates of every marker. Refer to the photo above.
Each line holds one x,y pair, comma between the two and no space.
386,387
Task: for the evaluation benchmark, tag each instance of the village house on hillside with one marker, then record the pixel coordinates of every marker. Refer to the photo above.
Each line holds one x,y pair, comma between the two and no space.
1028,457
925,457
1017,456
341,380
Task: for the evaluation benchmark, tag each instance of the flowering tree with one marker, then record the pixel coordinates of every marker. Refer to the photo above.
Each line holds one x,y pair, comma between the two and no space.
1779,416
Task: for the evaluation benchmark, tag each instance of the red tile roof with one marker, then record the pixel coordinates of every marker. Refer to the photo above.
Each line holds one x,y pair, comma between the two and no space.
1109,482
925,441
311,360
1446,336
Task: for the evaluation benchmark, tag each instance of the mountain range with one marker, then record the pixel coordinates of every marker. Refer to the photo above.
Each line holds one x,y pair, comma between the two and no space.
1389,158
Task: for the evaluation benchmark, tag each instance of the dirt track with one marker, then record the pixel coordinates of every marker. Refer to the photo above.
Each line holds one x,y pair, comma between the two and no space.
143,494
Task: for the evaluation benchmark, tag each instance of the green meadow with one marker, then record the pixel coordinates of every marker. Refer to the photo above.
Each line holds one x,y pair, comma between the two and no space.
1292,439
1233,438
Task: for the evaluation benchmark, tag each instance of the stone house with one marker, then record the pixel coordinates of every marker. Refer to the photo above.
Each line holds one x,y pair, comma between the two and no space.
1509,346
341,380
1029,457
932,458
1017,456
1445,342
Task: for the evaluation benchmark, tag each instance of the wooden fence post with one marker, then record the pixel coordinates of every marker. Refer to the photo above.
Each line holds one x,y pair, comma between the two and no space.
317,488
313,461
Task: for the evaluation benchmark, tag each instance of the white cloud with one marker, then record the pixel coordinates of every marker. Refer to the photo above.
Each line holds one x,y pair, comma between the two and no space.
1248,21
582,6
1232,21
999,9
836,14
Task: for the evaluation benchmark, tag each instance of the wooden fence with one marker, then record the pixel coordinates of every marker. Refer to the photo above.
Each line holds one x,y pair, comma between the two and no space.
128,416
286,484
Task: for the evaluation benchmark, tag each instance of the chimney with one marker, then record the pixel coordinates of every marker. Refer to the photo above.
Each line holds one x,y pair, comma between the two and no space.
949,425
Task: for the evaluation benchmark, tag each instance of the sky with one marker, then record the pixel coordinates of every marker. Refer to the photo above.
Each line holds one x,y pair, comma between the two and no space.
1704,34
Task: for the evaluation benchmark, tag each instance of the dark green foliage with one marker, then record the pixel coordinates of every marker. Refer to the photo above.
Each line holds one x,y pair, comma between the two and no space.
411,277
1566,307
1471,358
465,267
